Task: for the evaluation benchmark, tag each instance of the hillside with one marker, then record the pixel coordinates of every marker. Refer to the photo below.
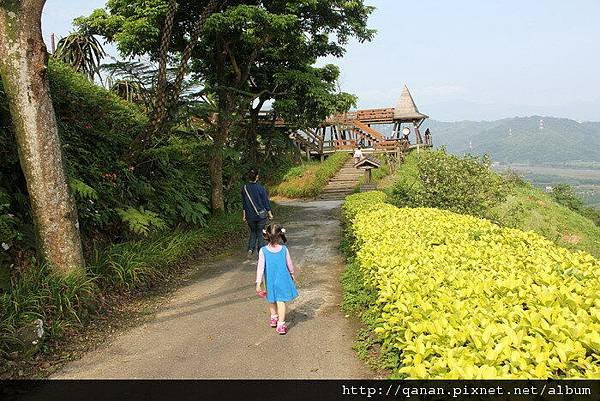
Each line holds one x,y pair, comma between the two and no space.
463,185
520,140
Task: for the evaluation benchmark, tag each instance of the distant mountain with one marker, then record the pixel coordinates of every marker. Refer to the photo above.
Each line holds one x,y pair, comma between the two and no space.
521,139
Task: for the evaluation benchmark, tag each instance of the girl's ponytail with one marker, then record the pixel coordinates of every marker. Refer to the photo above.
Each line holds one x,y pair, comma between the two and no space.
274,233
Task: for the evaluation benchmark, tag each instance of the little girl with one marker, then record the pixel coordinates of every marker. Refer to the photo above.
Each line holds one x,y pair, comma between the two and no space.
275,263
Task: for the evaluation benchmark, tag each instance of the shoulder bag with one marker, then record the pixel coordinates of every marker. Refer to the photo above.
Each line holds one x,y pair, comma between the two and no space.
262,213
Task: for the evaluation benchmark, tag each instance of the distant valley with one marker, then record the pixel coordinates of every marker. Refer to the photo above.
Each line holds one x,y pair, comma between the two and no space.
545,150
532,140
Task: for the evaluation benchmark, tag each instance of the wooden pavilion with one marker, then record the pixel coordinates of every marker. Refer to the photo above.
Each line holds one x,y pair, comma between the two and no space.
362,128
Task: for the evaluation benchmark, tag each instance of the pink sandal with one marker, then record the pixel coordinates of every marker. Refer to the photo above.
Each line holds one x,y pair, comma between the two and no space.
281,329
273,321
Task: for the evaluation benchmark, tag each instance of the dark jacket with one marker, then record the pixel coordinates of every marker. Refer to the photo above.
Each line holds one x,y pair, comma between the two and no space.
259,197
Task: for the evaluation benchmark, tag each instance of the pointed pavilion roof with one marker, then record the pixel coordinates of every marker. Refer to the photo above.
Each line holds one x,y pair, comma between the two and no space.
406,109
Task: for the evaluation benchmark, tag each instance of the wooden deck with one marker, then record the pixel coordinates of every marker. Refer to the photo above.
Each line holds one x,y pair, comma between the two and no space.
344,132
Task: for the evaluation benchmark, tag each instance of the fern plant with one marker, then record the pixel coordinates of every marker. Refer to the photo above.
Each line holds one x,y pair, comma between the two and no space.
141,221
82,190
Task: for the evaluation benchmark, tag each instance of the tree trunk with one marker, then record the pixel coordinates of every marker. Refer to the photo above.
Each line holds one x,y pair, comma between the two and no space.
217,198
252,136
160,96
225,105
23,67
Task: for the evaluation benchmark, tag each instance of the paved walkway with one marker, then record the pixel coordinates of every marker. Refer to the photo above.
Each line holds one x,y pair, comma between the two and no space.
217,327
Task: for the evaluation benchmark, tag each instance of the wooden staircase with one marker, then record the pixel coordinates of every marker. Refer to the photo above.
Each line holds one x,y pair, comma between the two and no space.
377,140
371,133
343,184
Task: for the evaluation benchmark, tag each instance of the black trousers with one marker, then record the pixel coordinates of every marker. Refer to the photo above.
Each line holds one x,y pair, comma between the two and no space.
256,234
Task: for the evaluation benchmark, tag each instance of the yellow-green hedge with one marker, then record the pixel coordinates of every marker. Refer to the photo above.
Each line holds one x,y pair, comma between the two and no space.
460,297
362,202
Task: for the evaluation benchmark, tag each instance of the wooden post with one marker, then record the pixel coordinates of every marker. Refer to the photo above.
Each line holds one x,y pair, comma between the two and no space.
367,176
53,43
418,134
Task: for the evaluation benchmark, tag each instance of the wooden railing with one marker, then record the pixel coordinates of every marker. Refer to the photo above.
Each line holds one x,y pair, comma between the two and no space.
344,144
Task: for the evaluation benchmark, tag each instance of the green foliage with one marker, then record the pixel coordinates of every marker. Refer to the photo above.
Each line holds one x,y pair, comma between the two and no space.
309,179
82,190
564,195
490,302
68,302
362,202
311,95
463,185
96,129
141,221
60,302
356,298
141,263
81,51
259,50
515,202
529,208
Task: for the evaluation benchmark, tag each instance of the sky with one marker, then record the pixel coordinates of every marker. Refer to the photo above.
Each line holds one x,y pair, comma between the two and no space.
461,59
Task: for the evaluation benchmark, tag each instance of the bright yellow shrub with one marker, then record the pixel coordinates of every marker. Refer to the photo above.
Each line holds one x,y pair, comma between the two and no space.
362,202
460,297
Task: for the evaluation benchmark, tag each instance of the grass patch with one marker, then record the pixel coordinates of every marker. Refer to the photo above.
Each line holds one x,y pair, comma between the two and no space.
309,179
529,208
60,302
138,264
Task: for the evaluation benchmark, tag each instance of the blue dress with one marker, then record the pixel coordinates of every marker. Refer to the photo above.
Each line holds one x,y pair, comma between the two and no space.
278,281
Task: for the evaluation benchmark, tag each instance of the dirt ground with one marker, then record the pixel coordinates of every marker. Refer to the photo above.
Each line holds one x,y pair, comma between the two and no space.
216,327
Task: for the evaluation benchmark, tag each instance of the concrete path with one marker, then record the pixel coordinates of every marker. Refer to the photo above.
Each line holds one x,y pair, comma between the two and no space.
218,328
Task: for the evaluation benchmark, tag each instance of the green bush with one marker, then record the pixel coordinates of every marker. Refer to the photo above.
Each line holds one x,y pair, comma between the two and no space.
308,180
459,297
143,262
440,180
361,202
96,129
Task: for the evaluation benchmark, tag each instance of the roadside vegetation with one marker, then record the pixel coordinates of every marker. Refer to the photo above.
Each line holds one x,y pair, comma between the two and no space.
309,179
491,246
486,305
136,222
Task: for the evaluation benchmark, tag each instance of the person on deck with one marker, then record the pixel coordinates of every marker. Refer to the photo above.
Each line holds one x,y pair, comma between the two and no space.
427,137
256,211
358,155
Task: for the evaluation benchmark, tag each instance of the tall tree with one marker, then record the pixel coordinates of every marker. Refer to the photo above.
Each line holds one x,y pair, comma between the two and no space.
23,68
250,37
234,45
148,28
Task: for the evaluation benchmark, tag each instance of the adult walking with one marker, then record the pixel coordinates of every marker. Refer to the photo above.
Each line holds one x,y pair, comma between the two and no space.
257,209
